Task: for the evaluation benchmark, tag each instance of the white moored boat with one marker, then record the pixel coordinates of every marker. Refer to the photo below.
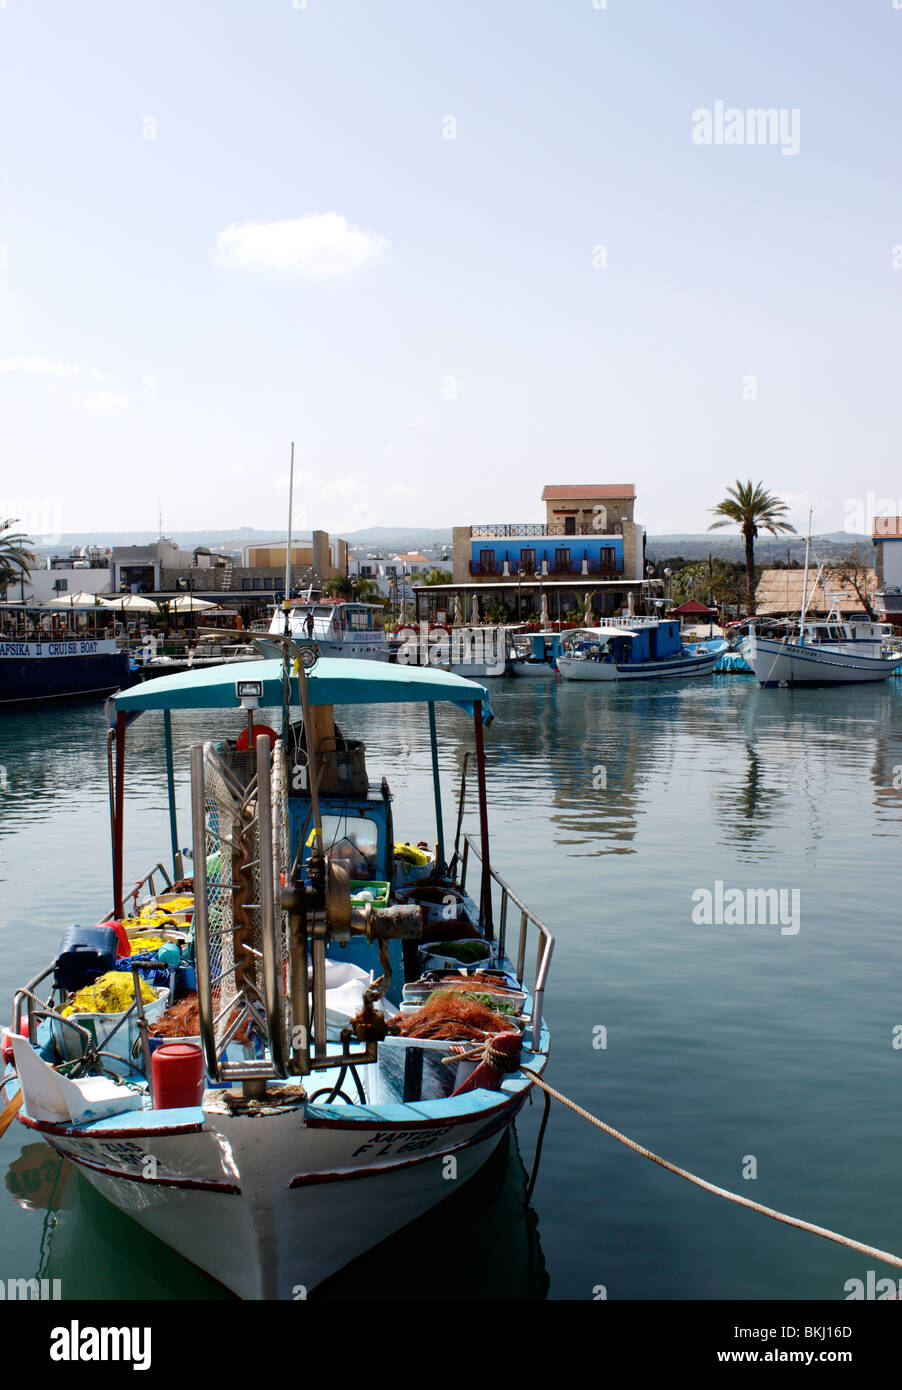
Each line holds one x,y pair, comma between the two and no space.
824,652
309,1111
339,629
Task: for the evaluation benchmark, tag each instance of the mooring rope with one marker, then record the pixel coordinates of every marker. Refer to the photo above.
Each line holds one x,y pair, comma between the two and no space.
869,1250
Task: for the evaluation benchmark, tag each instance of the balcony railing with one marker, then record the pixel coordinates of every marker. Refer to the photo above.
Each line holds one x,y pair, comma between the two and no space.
551,528
602,568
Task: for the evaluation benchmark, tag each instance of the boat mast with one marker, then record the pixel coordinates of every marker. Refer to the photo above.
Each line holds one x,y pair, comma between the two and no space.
805,585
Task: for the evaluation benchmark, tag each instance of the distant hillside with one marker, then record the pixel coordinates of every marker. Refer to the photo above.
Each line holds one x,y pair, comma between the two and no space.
767,548
392,539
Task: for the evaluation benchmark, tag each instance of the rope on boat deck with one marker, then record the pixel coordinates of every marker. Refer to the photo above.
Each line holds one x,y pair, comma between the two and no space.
870,1250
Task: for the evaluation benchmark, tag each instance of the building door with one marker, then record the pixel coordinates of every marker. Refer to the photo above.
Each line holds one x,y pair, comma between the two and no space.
569,525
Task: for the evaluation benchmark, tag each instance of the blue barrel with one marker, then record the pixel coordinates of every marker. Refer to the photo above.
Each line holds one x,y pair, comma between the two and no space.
85,953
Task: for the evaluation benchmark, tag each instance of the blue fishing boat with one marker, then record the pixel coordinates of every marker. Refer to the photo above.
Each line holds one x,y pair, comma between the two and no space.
635,649
333,1025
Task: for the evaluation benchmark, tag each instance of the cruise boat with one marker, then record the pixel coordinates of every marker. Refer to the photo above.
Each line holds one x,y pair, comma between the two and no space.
820,651
635,649
339,629
42,657
336,1021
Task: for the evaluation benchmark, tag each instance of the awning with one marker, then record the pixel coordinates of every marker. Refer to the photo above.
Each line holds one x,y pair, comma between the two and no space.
603,633
333,681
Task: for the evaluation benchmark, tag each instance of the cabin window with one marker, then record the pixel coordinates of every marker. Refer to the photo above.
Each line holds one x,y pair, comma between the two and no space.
353,842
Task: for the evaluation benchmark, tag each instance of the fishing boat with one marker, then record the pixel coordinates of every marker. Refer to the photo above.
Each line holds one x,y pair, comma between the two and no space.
822,651
338,629
44,656
635,649
353,1014
536,654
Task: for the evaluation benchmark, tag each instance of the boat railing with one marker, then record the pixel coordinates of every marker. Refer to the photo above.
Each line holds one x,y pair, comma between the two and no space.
528,919
149,880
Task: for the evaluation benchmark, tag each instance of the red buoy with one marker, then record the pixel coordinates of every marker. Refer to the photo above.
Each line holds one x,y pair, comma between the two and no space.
6,1048
178,1076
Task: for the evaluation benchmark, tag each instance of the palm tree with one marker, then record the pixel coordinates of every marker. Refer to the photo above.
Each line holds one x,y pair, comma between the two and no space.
751,508
15,560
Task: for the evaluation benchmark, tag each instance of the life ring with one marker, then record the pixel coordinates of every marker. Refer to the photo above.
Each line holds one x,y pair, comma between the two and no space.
241,743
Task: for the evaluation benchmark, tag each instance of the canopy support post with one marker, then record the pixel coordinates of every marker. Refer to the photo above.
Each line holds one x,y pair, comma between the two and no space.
118,901
437,790
485,894
170,787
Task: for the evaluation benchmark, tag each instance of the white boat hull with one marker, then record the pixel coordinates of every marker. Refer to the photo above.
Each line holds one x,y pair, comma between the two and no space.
574,669
359,649
777,662
271,1205
533,670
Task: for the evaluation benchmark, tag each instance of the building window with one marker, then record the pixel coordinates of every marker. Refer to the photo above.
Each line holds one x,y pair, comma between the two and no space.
245,583
258,582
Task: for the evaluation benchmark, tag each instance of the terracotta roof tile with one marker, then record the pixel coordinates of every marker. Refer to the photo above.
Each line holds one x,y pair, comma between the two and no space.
566,492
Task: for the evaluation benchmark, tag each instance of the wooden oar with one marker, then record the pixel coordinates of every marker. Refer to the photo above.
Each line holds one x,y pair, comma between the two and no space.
10,1112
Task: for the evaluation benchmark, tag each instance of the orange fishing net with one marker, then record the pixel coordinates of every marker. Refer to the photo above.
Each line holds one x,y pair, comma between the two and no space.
179,1021
450,1017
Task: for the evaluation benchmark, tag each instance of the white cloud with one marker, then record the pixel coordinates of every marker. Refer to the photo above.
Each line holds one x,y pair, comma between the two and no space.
319,246
101,401
40,366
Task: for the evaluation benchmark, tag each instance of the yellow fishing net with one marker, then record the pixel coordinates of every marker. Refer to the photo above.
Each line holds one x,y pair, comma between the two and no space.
111,993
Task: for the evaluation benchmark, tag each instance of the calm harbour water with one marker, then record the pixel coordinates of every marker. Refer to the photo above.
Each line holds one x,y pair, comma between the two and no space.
723,1042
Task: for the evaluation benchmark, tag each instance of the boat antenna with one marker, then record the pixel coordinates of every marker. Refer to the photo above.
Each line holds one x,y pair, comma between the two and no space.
286,601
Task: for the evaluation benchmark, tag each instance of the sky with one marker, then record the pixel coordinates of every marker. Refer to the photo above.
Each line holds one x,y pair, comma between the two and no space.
454,251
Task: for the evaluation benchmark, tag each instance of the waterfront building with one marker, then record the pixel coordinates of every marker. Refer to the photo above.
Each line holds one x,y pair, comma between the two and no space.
780,593
589,542
887,541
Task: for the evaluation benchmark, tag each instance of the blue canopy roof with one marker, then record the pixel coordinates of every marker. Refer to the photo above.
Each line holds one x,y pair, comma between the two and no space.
333,681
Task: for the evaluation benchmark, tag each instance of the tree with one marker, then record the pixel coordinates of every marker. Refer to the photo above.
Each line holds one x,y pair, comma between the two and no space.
852,572
437,576
16,560
752,509
714,581
353,587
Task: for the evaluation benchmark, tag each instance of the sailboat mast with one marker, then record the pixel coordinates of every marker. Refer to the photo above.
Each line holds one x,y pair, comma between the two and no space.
805,585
